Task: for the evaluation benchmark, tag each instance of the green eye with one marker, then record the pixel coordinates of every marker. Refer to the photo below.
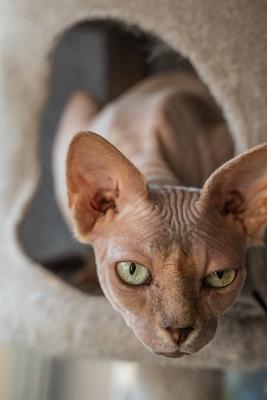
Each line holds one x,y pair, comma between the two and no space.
220,279
132,273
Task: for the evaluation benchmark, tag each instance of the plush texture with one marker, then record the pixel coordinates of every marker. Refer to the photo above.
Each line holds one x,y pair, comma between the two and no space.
227,45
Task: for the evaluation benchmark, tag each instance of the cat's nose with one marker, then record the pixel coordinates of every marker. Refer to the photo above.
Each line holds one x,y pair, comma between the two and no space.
179,334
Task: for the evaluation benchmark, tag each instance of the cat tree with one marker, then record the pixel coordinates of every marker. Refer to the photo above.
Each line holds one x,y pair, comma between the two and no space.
227,44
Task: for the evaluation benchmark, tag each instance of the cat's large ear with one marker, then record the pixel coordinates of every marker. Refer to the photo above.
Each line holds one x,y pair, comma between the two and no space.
101,182
238,189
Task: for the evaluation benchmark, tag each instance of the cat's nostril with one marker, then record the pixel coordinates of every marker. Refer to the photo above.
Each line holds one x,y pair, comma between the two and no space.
179,334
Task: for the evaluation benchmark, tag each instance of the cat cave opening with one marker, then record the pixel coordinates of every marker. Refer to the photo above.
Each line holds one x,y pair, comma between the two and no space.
106,59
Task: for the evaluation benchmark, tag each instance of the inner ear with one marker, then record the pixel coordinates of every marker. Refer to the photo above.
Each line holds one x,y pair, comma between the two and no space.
233,203
105,199
101,181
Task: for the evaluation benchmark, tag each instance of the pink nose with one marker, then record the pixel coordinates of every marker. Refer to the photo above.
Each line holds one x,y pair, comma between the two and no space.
179,334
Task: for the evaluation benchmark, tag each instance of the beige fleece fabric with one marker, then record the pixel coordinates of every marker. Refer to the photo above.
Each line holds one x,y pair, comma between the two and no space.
226,41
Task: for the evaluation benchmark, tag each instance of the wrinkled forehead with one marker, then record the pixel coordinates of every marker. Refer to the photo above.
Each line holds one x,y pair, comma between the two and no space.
171,228
160,225
183,219
177,212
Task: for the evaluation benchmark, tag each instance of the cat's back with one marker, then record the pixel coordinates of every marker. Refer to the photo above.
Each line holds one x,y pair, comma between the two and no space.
136,111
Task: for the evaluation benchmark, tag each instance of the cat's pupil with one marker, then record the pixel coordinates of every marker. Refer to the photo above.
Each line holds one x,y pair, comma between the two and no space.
132,268
220,274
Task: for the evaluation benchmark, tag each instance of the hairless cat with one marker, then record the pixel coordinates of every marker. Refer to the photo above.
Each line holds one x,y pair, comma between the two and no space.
151,188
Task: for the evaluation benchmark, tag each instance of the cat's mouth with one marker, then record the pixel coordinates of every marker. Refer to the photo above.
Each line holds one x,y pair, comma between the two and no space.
173,354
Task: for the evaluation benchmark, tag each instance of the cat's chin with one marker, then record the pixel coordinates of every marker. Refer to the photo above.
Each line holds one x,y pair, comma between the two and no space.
173,354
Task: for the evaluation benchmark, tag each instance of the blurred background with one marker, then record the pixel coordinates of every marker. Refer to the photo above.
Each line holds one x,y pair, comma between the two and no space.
105,59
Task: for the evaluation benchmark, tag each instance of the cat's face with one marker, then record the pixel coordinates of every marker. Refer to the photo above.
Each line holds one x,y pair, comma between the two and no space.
170,259
172,248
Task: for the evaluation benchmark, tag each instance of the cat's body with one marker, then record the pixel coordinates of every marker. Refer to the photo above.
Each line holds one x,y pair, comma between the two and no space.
163,126
142,215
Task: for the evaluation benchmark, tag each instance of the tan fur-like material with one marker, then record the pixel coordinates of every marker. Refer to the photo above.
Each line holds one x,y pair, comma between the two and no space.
226,42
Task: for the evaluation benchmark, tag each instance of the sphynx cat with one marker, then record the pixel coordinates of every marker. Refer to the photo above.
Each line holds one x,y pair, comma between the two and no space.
169,255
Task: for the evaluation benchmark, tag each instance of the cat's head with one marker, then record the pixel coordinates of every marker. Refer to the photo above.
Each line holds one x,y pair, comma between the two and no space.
170,259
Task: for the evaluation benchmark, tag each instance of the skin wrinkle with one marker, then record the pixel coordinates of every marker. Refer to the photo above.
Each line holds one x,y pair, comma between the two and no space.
179,233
